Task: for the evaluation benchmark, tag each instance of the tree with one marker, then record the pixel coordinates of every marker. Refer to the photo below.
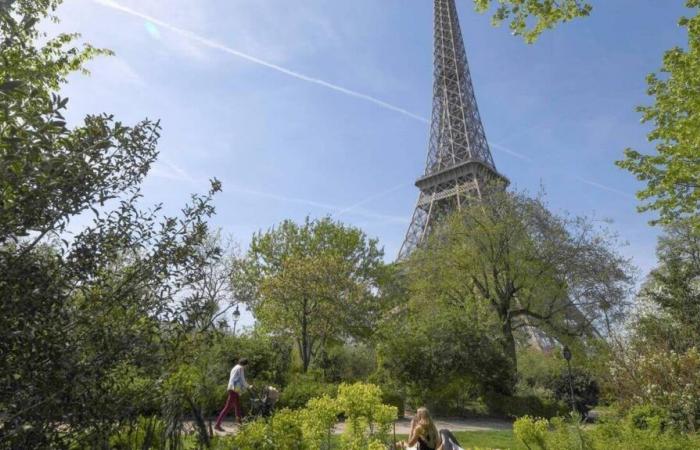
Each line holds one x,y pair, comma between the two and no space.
674,286
672,175
430,341
544,13
78,313
529,267
316,282
212,296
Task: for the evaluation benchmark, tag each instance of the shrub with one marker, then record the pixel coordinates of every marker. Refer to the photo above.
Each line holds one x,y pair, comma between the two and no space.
644,417
394,398
531,431
367,420
367,426
303,388
318,419
559,434
269,358
346,363
667,380
586,390
517,406
145,432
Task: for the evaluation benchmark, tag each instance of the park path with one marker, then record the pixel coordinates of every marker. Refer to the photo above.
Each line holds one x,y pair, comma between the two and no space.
403,426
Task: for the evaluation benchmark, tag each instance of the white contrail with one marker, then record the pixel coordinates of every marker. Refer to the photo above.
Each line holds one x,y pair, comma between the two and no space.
604,187
218,46
510,152
335,209
370,198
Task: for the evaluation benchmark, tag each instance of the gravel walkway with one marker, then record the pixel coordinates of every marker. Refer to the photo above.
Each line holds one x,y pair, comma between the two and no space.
403,426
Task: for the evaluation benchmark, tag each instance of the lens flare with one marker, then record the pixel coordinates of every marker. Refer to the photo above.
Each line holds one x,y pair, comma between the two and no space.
152,30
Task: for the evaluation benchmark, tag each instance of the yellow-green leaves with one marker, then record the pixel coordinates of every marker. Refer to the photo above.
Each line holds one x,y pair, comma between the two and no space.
672,174
529,18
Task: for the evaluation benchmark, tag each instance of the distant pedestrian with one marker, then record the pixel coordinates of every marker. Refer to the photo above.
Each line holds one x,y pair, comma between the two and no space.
236,386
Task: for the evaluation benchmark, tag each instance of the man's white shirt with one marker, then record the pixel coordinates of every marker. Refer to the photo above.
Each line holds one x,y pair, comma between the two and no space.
236,381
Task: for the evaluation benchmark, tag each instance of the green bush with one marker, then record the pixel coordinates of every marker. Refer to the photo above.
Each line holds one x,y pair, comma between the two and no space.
269,358
586,391
302,388
145,432
368,421
346,363
367,425
666,379
559,434
644,417
394,398
517,406
318,419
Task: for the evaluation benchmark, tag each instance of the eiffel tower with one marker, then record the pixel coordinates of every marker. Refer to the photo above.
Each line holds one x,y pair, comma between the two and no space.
459,165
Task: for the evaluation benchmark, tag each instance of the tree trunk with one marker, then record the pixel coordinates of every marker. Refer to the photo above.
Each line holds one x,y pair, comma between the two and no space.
305,347
509,349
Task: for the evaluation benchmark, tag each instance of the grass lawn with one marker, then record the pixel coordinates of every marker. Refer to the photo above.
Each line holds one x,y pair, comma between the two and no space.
501,439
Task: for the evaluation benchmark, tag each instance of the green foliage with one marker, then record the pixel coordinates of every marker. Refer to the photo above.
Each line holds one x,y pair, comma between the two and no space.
518,406
645,417
315,282
585,387
281,431
672,174
366,427
395,398
346,362
367,420
269,357
319,418
674,286
491,270
531,431
536,370
82,321
529,18
658,363
145,432
476,440
665,379
447,347
302,388
559,434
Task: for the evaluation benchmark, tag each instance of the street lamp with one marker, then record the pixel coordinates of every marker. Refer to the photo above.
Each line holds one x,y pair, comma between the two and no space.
566,352
236,316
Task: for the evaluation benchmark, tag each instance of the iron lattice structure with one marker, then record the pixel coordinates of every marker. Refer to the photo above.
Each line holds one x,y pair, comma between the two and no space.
459,163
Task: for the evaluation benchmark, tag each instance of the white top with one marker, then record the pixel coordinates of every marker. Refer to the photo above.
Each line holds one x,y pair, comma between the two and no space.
236,381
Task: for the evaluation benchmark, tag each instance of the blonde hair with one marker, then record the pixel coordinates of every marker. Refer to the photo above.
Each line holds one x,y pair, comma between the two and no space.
427,426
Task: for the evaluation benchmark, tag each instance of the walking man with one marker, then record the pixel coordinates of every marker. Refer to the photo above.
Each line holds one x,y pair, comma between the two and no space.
236,385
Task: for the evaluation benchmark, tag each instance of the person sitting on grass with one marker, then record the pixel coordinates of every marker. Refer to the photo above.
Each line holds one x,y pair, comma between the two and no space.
236,386
424,435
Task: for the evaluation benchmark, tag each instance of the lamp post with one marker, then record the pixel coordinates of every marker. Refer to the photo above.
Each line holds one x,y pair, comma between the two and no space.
236,316
566,352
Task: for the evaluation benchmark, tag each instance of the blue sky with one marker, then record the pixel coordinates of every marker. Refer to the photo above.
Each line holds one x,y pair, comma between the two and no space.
315,107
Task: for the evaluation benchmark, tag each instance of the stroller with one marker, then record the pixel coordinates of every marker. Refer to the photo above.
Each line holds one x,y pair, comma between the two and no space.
262,402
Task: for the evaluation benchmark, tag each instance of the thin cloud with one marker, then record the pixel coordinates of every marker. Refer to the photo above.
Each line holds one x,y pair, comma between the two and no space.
370,198
510,152
605,188
168,170
171,171
327,206
294,74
